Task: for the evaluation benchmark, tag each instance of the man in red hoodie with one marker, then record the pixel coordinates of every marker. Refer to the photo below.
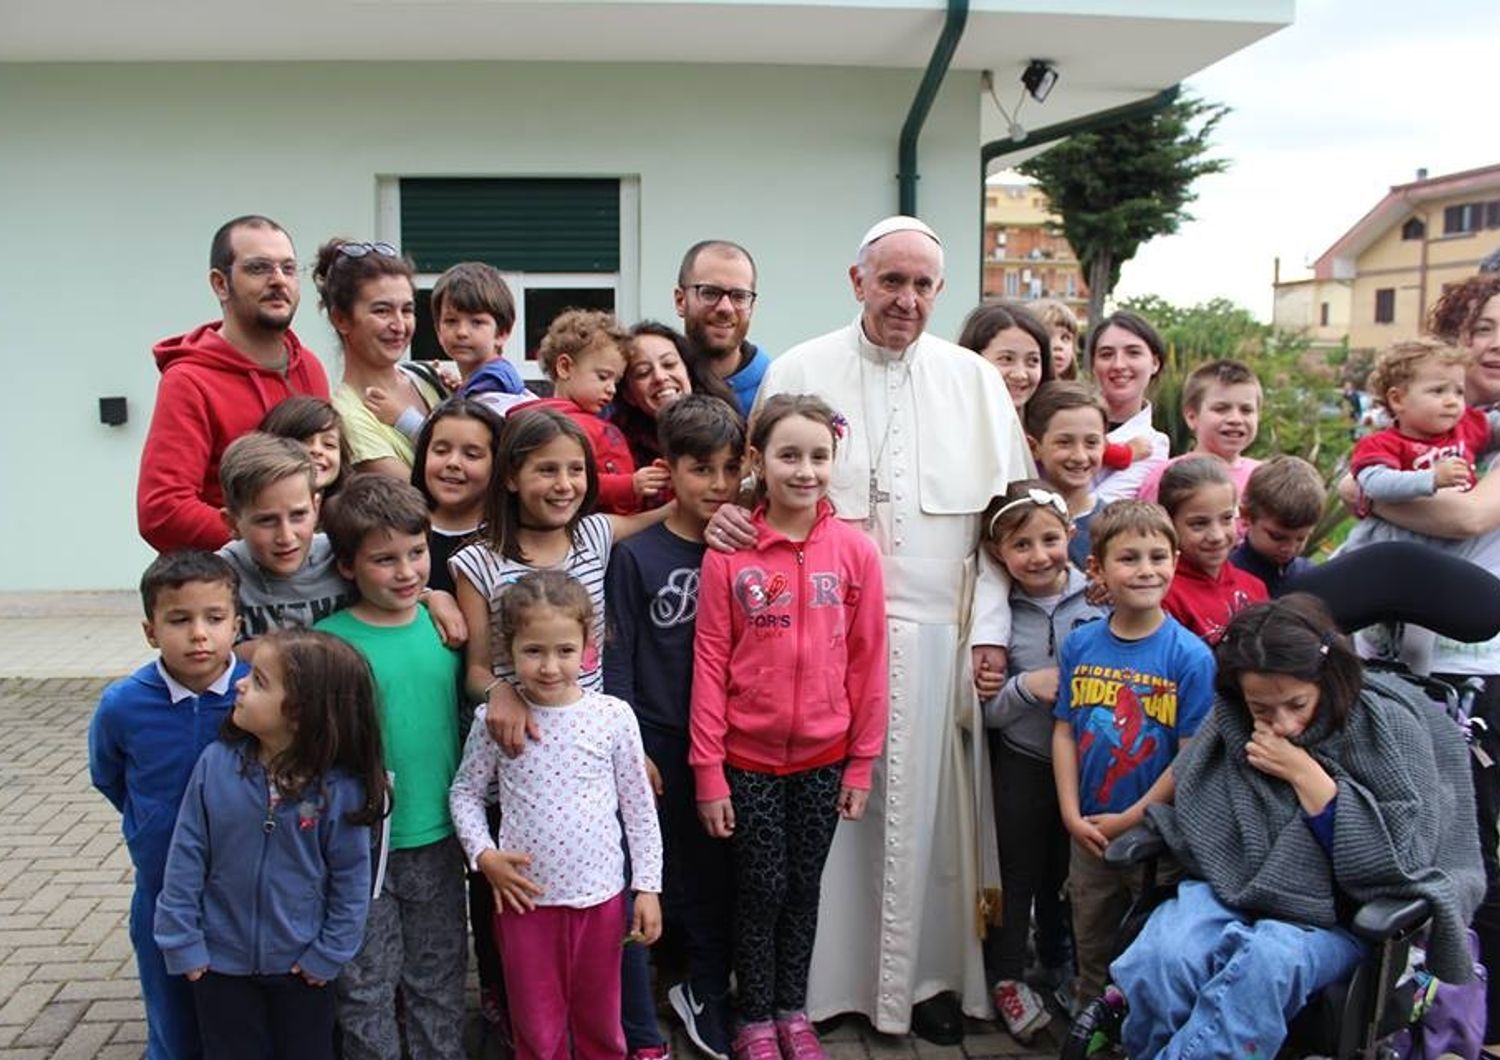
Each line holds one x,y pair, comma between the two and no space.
218,380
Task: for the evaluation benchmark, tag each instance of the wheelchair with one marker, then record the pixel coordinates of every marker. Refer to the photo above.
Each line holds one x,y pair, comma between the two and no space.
1355,1017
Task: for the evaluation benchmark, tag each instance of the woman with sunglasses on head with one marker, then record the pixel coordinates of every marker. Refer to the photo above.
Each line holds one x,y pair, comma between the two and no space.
367,291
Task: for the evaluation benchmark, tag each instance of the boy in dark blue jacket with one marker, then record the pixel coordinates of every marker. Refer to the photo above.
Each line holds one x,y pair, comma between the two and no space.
145,738
651,602
1283,502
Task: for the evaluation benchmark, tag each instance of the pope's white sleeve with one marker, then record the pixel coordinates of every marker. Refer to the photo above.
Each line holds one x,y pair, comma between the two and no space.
991,617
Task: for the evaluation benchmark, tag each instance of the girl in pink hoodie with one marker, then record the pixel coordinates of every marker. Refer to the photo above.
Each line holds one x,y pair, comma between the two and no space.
789,712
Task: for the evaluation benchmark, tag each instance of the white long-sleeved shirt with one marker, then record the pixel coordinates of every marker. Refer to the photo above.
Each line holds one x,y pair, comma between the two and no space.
559,799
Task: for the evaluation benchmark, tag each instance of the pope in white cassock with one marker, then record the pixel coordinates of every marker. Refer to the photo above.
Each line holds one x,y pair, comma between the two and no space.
932,438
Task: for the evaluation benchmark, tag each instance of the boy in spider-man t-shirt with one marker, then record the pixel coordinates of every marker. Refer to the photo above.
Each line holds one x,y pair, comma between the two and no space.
1132,690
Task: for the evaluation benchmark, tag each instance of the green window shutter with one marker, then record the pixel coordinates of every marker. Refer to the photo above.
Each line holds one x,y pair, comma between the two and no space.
521,224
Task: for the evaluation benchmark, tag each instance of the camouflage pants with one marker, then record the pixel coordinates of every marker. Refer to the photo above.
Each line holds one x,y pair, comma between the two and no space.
416,940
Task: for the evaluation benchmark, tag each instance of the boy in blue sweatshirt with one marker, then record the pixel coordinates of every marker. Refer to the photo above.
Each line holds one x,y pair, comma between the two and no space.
651,602
145,738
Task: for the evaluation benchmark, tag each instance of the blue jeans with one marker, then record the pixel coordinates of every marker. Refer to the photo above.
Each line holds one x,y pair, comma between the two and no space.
1203,980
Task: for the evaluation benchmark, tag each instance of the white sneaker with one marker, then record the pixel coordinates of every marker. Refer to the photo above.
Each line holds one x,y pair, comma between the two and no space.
1021,1009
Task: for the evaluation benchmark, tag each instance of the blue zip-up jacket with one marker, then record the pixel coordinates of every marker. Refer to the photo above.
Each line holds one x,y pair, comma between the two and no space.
494,377
253,891
745,383
1035,638
142,748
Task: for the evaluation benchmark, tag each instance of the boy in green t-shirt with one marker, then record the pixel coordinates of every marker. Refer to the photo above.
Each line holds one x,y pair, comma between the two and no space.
378,527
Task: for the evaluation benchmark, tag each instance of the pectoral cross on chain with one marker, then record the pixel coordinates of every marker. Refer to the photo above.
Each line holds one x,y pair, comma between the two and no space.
877,496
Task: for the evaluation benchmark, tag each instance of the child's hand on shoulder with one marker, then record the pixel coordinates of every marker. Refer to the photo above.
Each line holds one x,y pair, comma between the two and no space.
717,816
447,617
509,720
196,974
645,923
513,889
653,777
1097,593
1140,447
988,662
852,802
384,407
730,529
1042,684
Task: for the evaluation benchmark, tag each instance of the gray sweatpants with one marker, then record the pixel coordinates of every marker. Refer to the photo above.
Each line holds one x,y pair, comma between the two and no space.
415,939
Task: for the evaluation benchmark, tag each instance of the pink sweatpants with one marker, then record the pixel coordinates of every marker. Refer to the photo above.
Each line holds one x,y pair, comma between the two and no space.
562,974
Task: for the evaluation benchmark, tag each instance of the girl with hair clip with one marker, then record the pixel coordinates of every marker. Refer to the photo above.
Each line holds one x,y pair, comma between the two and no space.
788,712
1312,783
268,879
538,516
562,806
1027,531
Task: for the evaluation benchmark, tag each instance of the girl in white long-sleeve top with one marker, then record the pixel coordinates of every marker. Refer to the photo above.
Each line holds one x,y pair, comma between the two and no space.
557,865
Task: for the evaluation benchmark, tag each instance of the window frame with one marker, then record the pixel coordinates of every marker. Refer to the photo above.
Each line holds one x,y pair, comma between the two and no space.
1386,295
624,281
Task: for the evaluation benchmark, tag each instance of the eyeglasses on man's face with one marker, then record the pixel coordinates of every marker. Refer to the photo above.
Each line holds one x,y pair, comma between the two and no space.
261,268
711,293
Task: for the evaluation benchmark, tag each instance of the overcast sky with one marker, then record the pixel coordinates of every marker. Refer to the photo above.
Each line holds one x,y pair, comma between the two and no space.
1328,114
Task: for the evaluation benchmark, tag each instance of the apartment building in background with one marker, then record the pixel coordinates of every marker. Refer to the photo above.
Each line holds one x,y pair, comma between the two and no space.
1377,283
1024,256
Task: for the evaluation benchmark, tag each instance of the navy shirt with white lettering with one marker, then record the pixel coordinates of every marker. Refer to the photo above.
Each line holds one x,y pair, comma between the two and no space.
651,602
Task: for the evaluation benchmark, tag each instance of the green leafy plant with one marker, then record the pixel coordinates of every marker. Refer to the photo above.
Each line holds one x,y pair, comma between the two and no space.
1302,412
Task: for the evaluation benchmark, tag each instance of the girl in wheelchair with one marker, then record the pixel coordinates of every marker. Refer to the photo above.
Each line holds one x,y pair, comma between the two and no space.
1312,787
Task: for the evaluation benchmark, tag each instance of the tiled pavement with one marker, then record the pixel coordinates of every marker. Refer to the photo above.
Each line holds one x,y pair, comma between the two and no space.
67,978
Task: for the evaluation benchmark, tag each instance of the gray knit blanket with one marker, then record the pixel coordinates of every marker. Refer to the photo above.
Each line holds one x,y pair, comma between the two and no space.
1403,825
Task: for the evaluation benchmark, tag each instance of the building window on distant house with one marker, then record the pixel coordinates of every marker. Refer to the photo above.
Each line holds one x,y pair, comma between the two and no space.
1012,283
1492,214
1413,229
1465,217
1385,305
559,243
1323,315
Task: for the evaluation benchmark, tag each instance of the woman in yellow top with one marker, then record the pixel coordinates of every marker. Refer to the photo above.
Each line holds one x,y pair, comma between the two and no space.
367,291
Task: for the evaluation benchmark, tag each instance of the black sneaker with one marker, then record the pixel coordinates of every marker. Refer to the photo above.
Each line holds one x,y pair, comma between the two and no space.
705,1020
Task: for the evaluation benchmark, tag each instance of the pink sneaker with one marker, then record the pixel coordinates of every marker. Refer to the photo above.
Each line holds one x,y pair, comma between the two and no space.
755,1041
798,1039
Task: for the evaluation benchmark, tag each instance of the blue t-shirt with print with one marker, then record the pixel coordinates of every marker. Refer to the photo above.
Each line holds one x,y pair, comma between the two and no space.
1129,703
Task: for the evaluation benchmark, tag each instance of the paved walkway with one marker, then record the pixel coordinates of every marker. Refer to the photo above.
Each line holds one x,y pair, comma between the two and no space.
67,978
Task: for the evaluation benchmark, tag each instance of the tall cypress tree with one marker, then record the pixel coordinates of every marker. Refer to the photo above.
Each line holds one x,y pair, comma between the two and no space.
1119,186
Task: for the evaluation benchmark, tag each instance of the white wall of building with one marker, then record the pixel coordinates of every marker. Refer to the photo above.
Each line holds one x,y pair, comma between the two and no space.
114,176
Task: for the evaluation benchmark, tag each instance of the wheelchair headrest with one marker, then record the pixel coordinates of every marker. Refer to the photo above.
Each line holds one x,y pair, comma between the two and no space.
1404,581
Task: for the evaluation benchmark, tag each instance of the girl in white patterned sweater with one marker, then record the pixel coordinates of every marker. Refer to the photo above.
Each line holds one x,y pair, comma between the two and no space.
557,867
